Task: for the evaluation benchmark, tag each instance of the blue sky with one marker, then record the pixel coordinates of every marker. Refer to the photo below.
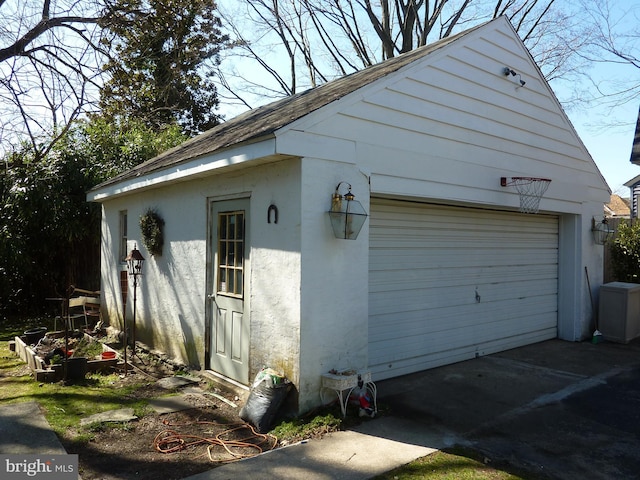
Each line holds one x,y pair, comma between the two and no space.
608,131
606,124
611,149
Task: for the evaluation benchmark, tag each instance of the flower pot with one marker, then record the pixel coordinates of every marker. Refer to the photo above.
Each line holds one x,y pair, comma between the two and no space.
108,355
33,336
76,368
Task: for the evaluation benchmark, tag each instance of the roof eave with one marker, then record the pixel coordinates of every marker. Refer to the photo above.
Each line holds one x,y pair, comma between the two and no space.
215,162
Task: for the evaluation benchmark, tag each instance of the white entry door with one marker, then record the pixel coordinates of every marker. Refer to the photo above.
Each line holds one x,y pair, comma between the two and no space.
228,327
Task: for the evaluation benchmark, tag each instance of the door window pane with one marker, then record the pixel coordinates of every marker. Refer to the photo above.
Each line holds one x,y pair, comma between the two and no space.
230,256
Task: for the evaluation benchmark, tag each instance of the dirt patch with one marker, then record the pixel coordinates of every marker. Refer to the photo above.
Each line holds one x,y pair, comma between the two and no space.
163,446
168,446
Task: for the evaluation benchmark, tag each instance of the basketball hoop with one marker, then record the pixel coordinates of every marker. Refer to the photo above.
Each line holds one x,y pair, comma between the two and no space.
530,189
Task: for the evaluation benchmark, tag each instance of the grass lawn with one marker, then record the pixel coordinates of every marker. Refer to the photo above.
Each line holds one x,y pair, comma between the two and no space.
64,405
453,464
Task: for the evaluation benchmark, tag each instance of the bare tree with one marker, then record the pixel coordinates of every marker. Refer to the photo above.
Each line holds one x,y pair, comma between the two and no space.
48,66
616,41
300,43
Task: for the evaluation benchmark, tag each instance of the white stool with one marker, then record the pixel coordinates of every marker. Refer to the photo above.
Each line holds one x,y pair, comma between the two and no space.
347,383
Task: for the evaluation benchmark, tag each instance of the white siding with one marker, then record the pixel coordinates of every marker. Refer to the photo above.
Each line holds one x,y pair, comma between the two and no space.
448,126
450,283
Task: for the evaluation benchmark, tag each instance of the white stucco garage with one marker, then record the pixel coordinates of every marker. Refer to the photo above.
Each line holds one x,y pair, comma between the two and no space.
446,267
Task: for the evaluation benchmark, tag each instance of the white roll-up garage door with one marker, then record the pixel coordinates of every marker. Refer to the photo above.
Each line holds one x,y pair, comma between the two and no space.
449,283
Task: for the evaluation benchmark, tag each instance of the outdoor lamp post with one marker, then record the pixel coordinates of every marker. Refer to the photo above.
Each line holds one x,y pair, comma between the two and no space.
135,261
347,214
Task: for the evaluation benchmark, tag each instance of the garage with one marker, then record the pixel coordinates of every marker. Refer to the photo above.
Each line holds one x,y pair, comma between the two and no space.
445,268
451,283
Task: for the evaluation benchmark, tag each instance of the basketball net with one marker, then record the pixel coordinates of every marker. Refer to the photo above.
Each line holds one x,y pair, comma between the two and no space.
530,190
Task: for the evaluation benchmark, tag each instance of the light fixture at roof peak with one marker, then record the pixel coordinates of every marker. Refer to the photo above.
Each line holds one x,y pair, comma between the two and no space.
510,71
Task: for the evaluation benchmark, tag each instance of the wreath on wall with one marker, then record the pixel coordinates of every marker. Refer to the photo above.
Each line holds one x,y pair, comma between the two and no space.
152,228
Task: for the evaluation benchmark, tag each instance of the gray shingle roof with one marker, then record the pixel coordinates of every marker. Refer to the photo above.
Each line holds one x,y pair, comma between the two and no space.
262,122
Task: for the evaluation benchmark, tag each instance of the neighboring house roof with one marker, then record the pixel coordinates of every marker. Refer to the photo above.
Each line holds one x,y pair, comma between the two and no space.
262,122
635,149
633,182
617,207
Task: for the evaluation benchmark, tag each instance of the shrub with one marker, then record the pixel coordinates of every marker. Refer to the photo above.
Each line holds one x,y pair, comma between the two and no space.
625,253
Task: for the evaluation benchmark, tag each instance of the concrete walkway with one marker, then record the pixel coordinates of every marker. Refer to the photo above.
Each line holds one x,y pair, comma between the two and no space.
349,455
24,430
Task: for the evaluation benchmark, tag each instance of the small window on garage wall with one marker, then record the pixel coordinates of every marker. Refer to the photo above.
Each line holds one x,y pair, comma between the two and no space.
123,236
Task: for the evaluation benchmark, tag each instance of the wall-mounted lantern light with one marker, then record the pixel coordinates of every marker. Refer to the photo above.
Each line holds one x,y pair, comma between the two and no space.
601,232
347,214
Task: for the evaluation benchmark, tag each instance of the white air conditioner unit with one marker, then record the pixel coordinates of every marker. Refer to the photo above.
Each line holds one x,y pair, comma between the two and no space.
619,312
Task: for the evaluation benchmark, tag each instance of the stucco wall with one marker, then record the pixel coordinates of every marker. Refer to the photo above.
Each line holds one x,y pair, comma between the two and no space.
275,270
172,293
334,299
169,313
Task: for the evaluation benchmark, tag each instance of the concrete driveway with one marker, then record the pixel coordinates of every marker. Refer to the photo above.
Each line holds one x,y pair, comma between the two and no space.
560,409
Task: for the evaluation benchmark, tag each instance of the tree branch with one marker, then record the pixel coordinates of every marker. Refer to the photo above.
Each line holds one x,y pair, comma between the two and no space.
19,46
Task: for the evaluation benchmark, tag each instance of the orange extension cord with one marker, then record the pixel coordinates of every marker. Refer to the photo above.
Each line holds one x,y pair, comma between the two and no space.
170,441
